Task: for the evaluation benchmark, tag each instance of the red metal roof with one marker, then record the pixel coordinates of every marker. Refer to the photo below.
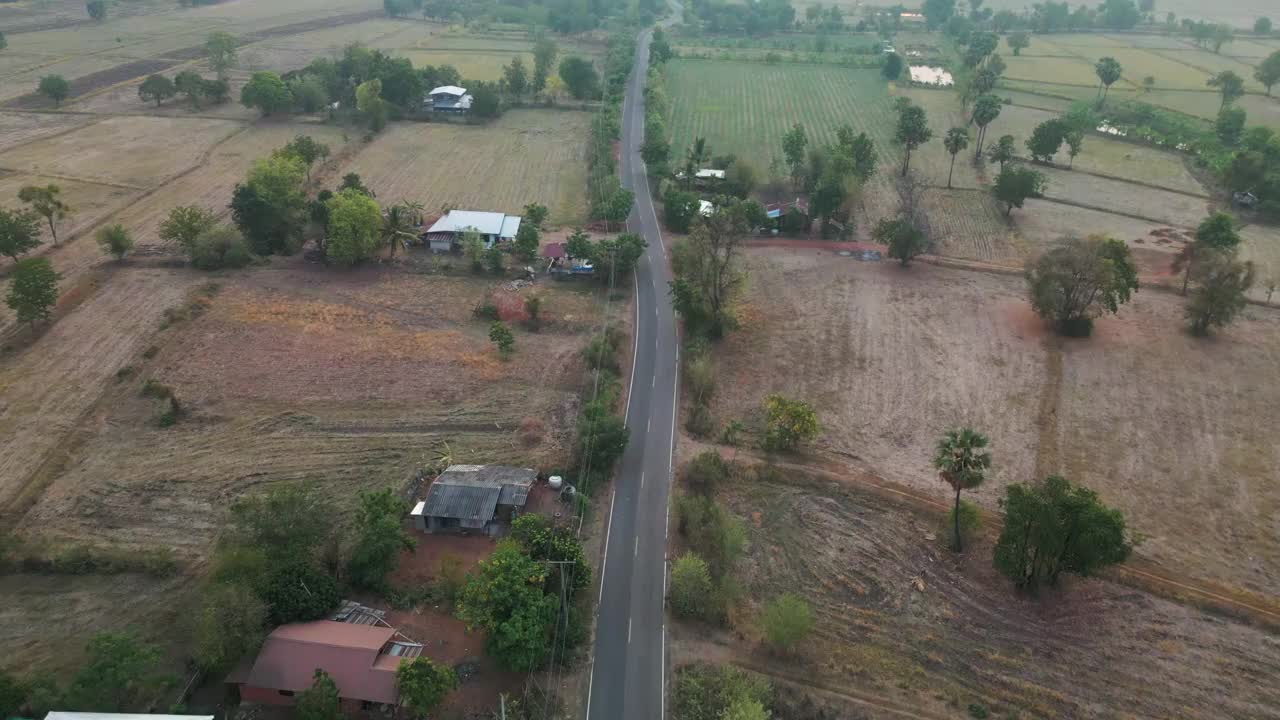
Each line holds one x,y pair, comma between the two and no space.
553,250
349,653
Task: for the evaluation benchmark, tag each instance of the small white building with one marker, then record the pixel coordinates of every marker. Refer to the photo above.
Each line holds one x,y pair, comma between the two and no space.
493,227
449,98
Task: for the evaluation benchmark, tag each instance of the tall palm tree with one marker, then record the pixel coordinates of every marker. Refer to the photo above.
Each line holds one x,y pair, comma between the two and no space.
962,462
398,223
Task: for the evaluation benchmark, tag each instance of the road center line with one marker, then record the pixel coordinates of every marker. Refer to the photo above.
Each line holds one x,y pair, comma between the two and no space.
628,631
637,551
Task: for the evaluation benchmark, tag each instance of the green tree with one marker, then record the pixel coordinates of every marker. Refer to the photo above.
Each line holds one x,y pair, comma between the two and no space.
423,684
288,522
493,257
985,110
54,87
502,338
19,232
505,598
708,269
1075,143
891,67
1262,26
1230,125
309,94
1268,71
691,590
1221,284
788,423
602,438
473,248
97,9
794,143
3,42
904,240
379,539
229,626
962,462
1078,280
307,150
956,140
184,224
1229,85
47,202
1003,151
535,214
1108,71
320,701
1015,184
786,620
485,100
157,88
1215,233
117,673
544,58
1047,137
1019,41
399,223
298,592
266,92
270,207
1051,528
526,244
912,131
33,290
220,51
580,78
115,240
745,709
189,83
1219,36
543,541
515,78
355,228
219,247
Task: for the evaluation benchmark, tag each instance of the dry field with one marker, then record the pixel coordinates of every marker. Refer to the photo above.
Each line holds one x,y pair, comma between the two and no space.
1143,413
1124,198
287,373
901,622
525,156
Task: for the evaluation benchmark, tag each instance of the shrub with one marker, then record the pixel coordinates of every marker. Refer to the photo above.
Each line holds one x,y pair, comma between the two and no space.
485,310
970,520
691,588
711,532
786,621
220,247
788,423
705,472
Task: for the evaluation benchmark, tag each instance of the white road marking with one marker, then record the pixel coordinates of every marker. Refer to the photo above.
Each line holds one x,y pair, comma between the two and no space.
635,351
675,387
642,478
608,532
662,671
648,425
628,631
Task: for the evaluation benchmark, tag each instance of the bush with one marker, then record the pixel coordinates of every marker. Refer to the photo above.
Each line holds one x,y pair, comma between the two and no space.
705,472
691,588
700,423
788,423
786,621
706,692
711,532
486,310
299,592
220,247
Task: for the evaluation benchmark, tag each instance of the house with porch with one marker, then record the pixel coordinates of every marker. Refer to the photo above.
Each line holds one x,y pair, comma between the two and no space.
446,233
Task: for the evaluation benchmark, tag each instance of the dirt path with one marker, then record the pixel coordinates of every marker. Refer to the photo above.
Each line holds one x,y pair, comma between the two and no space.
1047,415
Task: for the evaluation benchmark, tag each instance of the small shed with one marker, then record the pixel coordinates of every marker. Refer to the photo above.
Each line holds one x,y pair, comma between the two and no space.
474,498
449,99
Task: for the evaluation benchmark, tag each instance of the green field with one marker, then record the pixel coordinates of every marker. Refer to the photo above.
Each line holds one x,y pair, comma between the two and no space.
744,108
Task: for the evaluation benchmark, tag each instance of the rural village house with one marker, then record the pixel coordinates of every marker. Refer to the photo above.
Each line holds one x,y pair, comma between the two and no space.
445,234
474,497
357,648
448,99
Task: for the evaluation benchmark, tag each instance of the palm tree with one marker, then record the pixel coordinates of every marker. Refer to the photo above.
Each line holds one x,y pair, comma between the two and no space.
398,223
962,462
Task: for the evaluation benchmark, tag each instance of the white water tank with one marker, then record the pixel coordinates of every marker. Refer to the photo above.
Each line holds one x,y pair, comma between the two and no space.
555,481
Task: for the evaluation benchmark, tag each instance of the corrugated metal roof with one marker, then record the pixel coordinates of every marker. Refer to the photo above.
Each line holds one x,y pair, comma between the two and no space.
448,90
486,223
473,492
462,501
349,653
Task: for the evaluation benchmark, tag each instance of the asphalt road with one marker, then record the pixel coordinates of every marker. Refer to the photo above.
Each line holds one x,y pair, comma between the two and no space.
627,672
